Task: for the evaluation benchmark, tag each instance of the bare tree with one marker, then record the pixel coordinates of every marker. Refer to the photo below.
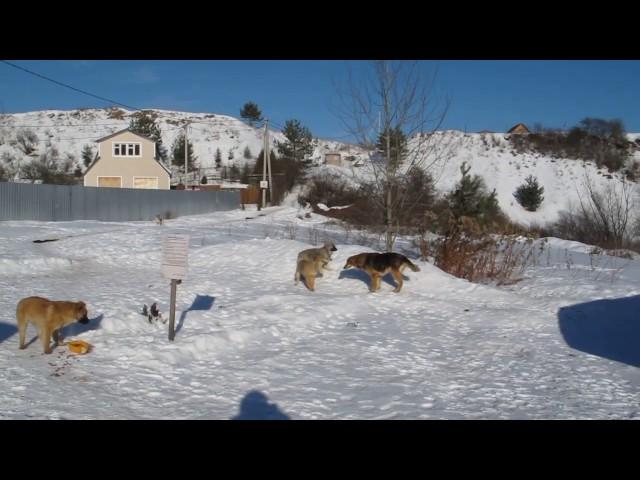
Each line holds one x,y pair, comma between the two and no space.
9,164
26,141
394,101
607,213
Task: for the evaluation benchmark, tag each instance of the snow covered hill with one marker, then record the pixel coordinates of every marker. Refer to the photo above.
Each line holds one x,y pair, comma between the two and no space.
69,131
488,154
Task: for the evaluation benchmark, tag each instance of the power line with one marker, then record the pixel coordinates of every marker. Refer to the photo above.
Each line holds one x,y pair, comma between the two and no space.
63,125
68,86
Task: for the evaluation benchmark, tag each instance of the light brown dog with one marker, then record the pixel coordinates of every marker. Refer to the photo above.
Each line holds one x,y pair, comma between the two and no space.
311,262
377,265
49,317
309,269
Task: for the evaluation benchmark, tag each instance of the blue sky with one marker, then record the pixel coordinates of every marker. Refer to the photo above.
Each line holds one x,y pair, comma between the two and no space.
492,95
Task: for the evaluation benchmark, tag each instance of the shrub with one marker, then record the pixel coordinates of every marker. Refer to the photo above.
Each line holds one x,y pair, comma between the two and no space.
529,194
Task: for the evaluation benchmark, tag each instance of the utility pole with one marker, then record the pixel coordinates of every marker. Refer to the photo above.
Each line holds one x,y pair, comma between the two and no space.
269,167
186,152
265,159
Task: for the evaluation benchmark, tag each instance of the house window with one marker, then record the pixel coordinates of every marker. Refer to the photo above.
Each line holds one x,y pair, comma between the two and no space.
126,149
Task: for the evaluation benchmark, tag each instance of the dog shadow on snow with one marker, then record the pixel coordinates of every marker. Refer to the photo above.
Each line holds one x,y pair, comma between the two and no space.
7,330
201,302
353,273
608,328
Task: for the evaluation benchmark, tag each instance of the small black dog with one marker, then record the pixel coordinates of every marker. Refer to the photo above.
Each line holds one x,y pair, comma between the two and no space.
153,313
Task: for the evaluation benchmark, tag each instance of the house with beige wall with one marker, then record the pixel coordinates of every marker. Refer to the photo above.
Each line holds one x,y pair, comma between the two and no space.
127,160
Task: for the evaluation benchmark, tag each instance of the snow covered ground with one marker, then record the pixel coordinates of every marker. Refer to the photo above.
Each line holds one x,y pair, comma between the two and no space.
562,343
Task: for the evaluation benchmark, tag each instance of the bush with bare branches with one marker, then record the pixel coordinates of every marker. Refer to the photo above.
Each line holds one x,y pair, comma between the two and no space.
27,141
469,251
602,218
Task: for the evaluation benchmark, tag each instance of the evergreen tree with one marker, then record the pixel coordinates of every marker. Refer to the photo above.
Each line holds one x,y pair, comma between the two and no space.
246,171
247,152
299,141
397,145
144,123
251,113
218,157
87,155
178,153
203,180
529,194
471,199
257,168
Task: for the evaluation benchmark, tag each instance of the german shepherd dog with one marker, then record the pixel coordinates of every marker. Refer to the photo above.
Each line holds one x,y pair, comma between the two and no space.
49,317
377,265
311,262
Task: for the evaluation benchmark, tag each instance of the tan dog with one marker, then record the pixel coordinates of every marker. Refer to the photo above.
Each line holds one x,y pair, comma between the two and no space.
49,317
311,262
377,265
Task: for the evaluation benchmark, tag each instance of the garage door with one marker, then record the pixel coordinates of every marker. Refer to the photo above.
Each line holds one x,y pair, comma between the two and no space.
110,182
145,182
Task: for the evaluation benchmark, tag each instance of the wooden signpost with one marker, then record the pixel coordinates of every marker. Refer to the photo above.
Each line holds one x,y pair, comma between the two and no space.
175,251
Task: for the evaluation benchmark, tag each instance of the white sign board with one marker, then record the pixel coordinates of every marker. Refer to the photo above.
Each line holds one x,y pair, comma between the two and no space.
175,250
264,184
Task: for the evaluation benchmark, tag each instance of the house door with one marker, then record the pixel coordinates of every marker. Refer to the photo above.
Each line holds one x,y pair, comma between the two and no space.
115,182
145,182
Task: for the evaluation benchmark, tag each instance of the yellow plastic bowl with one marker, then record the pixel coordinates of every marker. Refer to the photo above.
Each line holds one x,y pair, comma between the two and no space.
79,346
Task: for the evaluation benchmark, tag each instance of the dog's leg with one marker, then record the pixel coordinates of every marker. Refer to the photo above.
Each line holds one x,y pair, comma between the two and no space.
374,283
22,329
378,282
296,278
45,336
397,276
57,337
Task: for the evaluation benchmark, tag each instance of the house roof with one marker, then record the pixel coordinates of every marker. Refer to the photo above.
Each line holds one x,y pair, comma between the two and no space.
122,131
518,125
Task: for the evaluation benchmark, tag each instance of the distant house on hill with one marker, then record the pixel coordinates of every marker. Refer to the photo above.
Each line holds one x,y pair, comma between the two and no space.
333,158
519,128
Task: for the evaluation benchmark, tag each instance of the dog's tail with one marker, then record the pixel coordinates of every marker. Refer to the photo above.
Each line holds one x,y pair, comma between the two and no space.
296,278
413,267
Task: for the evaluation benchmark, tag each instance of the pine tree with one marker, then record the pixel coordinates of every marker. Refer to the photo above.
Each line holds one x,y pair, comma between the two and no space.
87,155
397,145
247,152
257,168
299,141
178,154
471,199
218,157
144,123
203,180
251,113
529,194
246,171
